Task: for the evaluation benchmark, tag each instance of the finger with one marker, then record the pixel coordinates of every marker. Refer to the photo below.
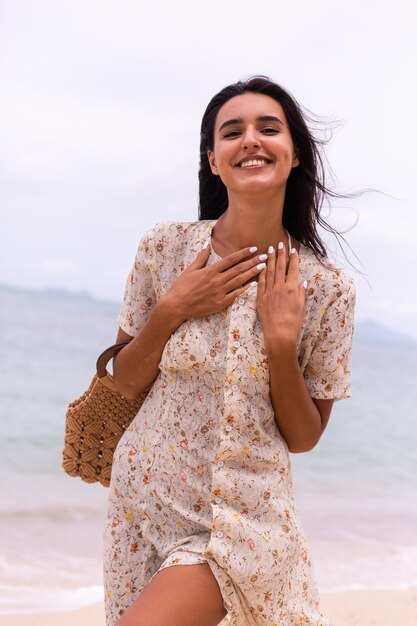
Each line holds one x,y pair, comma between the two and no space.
244,277
231,297
262,281
270,268
281,264
302,294
293,268
240,268
235,257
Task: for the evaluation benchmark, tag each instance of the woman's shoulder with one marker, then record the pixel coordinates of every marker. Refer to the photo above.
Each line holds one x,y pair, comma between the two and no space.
171,240
180,235
183,229
324,277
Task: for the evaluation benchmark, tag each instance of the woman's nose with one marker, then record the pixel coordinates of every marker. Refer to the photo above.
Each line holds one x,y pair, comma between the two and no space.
250,140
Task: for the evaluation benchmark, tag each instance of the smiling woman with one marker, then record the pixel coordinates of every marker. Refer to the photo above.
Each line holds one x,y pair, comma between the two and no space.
269,153
241,330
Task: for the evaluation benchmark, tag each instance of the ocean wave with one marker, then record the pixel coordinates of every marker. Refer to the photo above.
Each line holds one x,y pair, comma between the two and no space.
50,581
27,600
46,514
378,566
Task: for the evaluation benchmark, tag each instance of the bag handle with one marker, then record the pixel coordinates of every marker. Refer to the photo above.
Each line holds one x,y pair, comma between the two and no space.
106,355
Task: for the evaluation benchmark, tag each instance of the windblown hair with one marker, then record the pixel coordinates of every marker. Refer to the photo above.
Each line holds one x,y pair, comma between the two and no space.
306,186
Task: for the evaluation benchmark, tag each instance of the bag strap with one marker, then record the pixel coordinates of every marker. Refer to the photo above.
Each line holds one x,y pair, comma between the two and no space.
106,355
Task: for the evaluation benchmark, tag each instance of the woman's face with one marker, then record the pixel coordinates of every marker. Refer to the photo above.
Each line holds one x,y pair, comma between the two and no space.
253,149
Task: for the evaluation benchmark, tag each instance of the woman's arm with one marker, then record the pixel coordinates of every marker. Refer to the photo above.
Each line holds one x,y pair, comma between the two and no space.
281,302
136,366
198,291
301,419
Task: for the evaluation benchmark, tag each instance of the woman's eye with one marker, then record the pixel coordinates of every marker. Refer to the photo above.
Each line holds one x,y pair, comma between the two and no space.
231,134
269,130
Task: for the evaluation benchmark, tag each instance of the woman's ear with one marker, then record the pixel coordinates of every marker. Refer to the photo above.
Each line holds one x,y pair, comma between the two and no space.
295,159
212,162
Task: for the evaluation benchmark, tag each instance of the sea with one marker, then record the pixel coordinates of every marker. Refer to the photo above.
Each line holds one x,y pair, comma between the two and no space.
355,492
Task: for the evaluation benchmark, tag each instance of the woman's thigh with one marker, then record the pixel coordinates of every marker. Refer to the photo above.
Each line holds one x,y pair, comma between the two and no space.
180,595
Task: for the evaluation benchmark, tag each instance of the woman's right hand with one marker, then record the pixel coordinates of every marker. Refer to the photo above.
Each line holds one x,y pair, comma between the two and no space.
202,290
198,291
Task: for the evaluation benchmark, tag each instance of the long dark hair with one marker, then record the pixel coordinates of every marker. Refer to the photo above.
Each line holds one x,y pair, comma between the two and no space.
306,186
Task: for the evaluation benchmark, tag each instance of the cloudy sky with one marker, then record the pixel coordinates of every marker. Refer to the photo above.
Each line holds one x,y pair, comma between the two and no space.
100,107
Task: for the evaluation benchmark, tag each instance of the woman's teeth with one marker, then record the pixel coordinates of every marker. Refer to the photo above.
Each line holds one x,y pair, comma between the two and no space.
253,163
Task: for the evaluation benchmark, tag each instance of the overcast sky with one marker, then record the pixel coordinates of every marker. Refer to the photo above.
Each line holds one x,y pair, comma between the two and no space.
100,108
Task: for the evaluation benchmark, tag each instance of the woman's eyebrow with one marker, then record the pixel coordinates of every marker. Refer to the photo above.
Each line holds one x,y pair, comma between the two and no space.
269,118
260,118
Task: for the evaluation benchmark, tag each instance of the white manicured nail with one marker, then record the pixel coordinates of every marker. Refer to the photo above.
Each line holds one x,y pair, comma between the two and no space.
253,249
270,250
206,244
280,245
292,250
305,284
263,257
261,266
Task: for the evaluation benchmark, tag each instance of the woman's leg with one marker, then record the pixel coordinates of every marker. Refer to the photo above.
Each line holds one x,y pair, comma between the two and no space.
180,595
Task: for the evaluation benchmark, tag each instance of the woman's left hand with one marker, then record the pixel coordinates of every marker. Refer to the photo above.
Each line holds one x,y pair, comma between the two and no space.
281,300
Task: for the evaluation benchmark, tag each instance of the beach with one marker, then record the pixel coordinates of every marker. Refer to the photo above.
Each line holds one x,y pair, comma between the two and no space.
371,608
355,492
350,608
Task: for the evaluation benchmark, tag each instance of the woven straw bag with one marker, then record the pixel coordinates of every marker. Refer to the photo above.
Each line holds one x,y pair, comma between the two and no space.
95,423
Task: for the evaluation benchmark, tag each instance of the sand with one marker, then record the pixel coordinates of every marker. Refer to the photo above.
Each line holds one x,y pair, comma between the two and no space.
353,608
371,608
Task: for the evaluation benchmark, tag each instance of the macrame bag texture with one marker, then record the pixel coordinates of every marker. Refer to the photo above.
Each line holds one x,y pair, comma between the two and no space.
95,423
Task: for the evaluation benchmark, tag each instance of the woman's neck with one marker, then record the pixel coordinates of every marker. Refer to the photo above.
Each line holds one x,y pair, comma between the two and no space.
249,225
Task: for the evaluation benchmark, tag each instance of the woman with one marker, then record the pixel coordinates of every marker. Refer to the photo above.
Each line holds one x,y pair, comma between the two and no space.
241,329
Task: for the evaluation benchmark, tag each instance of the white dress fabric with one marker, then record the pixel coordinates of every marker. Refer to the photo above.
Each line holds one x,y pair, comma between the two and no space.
203,475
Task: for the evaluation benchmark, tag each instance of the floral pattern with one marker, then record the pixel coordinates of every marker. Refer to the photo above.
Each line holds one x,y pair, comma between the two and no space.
203,475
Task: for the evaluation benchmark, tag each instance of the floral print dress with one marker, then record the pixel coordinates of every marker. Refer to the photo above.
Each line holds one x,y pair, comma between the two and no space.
203,475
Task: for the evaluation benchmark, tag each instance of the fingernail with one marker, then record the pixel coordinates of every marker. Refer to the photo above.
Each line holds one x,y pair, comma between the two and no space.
305,284
263,257
253,249
261,266
280,245
292,250
206,244
270,250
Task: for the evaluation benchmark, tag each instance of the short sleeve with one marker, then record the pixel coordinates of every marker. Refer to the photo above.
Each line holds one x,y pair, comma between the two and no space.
140,291
327,373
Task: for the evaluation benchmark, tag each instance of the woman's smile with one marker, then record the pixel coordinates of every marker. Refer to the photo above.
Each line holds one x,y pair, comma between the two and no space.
253,162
